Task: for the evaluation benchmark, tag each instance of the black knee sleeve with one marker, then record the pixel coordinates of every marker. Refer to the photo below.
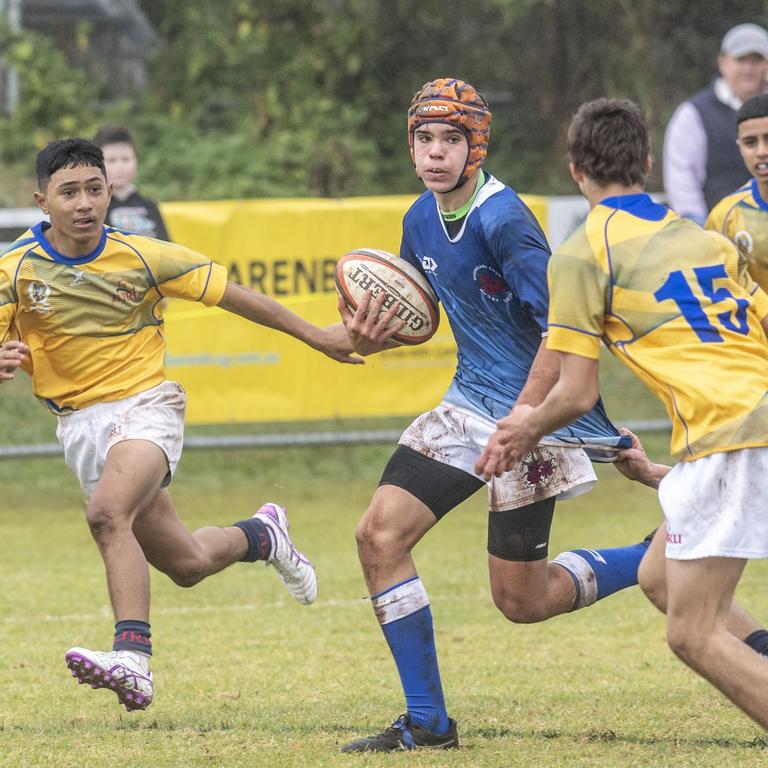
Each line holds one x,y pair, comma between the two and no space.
521,534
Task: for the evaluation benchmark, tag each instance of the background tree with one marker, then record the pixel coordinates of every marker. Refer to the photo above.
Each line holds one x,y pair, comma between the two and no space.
308,97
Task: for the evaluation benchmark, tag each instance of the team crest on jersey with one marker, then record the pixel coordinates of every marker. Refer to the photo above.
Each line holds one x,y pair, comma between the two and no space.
39,294
492,284
744,242
538,468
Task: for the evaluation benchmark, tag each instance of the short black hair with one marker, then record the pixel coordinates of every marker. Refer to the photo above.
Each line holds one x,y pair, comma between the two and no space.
753,108
608,141
113,133
67,153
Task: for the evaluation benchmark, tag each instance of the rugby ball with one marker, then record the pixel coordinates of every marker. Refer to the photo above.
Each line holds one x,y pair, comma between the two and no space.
378,271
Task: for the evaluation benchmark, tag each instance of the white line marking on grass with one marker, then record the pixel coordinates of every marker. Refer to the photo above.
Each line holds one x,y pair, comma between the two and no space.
180,611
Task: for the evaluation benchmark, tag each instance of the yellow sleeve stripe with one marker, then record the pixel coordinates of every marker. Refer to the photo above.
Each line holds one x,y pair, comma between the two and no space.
573,341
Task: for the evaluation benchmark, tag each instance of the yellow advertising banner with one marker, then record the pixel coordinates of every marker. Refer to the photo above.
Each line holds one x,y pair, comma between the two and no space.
235,371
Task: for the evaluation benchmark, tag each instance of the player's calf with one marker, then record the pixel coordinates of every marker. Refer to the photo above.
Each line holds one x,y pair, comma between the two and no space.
651,574
529,592
528,589
188,573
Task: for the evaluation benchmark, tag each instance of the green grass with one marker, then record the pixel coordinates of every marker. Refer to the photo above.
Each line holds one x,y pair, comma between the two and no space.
246,677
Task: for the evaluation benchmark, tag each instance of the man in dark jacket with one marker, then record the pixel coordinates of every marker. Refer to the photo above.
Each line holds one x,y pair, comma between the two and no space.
701,160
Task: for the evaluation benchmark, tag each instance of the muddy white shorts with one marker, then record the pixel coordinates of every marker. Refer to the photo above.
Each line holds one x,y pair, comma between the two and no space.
457,437
156,415
717,506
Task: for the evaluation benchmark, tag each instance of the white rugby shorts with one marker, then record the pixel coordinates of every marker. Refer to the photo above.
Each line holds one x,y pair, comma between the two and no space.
717,506
87,435
457,437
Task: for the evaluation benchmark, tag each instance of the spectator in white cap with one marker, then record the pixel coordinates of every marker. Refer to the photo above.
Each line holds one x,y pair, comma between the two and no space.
701,159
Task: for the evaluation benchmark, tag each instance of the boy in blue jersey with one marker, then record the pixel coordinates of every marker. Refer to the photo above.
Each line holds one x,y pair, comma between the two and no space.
677,306
486,258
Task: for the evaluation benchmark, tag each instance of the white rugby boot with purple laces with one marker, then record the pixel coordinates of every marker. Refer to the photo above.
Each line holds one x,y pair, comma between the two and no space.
297,573
120,671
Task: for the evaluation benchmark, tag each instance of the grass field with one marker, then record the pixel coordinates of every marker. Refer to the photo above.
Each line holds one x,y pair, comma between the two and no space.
246,677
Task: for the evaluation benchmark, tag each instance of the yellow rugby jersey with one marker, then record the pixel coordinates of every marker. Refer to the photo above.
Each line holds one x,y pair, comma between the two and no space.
676,304
743,218
94,324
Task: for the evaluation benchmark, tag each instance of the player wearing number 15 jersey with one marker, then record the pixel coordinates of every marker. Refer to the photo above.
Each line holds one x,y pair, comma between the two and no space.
665,323
677,305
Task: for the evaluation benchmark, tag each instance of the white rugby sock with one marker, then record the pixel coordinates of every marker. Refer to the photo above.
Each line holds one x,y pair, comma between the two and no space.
583,577
400,600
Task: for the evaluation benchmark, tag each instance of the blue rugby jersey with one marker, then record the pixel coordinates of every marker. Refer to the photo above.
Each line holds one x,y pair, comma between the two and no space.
492,281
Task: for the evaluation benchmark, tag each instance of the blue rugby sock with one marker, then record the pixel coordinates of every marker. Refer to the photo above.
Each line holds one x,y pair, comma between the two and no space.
597,573
406,620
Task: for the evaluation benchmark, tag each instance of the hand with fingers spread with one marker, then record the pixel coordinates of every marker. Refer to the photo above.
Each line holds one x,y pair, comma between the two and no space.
369,331
12,356
514,437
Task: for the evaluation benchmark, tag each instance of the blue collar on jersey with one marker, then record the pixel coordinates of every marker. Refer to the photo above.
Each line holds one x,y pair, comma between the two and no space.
40,228
761,204
640,205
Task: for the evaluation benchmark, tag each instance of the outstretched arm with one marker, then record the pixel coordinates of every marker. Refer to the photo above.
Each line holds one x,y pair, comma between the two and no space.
12,355
258,308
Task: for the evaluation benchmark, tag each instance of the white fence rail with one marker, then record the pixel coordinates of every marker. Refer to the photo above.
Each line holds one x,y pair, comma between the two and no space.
14,221
299,439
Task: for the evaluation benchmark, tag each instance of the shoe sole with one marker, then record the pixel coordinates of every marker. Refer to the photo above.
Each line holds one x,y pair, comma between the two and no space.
86,672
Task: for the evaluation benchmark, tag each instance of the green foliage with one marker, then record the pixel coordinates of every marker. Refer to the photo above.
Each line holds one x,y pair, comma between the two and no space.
56,97
308,97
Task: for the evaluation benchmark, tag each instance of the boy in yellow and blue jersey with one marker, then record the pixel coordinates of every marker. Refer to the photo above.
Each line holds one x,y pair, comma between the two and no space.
742,216
676,304
81,312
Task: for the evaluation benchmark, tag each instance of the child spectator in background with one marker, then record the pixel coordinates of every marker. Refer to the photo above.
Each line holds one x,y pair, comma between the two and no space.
128,210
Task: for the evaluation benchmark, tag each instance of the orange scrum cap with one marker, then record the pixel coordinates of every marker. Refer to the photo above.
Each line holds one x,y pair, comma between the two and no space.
447,100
